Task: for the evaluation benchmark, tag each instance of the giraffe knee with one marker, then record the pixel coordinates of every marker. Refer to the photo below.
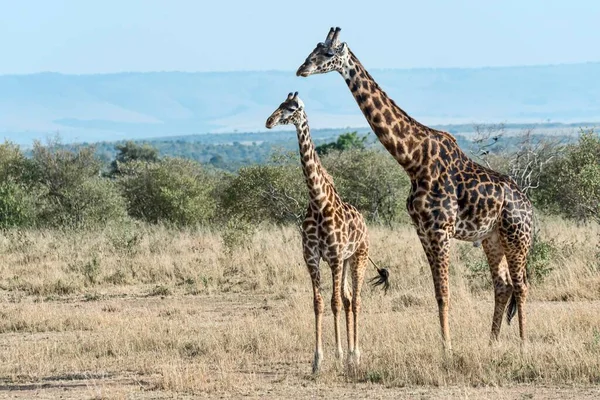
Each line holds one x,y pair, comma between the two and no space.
443,301
503,288
356,305
347,302
336,304
318,305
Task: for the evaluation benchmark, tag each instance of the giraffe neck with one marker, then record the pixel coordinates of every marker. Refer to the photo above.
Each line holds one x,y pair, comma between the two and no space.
405,138
320,184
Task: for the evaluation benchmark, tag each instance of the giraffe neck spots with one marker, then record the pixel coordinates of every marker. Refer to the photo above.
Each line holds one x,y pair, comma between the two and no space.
319,182
415,146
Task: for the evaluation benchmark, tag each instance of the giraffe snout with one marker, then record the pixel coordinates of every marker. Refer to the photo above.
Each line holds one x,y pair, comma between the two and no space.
270,122
303,70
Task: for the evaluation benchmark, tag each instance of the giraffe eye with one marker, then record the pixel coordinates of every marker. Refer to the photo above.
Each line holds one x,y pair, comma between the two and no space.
329,53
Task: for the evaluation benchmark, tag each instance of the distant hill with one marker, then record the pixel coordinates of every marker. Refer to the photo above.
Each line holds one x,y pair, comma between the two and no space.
143,105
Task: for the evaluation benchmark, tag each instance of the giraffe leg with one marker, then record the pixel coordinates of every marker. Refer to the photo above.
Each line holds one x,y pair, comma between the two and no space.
315,276
337,268
437,248
347,293
358,275
494,252
517,264
516,234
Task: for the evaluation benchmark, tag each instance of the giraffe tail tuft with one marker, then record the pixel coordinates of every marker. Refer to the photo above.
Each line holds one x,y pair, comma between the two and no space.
512,308
383,279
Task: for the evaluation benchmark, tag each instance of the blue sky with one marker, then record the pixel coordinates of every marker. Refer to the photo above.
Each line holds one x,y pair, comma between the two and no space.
99,36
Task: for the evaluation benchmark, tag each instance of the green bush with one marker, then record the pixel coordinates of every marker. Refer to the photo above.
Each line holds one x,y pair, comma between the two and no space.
274,193
17,191
17,205
372,181
72,193
539,261
571,184
172,190
95,202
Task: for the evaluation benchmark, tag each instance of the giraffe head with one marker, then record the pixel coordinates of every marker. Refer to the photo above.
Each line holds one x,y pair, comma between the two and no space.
291,111
330,55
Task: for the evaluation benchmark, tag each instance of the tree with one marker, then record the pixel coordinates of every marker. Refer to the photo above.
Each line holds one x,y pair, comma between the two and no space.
346,141
131,151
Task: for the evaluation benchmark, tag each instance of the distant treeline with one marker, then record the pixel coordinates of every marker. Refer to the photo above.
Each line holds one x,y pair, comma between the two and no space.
57,186
230,151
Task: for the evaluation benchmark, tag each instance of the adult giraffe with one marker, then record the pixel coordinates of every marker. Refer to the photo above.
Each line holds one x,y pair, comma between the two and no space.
451,195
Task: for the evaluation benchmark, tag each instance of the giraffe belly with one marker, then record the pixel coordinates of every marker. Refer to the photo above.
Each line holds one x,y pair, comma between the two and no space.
473,230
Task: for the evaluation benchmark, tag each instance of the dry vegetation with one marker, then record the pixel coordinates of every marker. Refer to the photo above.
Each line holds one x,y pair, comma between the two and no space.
153,312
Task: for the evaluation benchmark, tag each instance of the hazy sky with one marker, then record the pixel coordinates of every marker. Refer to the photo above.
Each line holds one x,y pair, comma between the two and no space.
91,36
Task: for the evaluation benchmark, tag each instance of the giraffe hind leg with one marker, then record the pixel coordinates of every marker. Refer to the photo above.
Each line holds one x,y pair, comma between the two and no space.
347,298
494,251
359,267
517,264
516,233
337,268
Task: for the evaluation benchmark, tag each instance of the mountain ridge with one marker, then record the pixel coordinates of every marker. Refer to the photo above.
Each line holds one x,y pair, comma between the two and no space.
134,105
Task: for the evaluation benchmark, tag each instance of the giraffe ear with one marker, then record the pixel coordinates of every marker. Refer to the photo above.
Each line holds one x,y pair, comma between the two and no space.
343,49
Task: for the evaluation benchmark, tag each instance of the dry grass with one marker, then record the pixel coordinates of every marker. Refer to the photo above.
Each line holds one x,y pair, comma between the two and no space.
149,312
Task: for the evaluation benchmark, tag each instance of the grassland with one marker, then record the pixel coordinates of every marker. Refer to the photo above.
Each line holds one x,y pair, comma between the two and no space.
135,311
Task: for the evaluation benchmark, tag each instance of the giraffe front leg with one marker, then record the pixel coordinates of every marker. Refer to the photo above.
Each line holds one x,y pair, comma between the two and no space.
347,294
315,276
436,245
336,305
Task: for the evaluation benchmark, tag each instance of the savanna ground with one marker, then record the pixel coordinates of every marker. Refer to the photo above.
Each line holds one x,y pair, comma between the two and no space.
135,311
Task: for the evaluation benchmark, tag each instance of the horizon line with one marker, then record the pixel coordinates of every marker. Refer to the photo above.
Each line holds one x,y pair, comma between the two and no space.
125,72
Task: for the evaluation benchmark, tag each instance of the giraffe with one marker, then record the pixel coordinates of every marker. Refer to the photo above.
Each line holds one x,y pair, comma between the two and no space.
451,196
333,231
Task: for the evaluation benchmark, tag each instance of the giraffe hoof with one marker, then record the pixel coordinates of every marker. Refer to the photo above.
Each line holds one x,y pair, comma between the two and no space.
339,355
353,362
316,365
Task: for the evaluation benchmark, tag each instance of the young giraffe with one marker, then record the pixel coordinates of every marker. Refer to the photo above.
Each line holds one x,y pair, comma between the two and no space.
332,230
451,195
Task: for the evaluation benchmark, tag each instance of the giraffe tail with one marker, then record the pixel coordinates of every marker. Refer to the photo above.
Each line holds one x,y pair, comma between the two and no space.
383,279
512,308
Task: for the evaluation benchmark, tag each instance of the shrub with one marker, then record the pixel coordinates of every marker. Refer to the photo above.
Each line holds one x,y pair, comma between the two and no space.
17,192
539,261
17,205
172,190
72,193
571,185
372,181
274,192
